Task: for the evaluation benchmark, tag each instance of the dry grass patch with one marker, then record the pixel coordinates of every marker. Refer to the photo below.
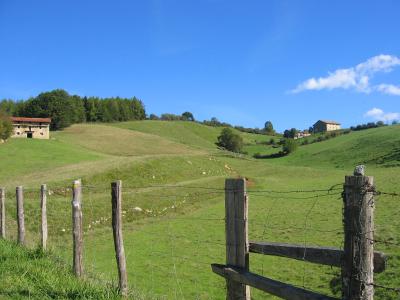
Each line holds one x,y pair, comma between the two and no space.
122,142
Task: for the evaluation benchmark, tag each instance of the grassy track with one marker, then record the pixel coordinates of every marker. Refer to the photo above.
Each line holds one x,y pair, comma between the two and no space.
174,203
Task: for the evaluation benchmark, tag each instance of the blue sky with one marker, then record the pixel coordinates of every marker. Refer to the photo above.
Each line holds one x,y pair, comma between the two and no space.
244,62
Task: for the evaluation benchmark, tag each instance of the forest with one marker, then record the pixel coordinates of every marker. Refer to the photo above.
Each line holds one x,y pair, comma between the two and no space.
65,109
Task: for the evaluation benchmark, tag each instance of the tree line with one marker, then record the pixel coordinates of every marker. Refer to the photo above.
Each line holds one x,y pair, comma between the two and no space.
65,109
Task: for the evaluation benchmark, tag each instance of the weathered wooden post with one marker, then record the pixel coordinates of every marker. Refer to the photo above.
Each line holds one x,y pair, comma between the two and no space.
116,201
77,230
236,230
3,212
20,215
43,206
358,266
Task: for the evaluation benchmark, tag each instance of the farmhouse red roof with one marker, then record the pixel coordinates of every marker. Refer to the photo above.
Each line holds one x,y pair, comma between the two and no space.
31,120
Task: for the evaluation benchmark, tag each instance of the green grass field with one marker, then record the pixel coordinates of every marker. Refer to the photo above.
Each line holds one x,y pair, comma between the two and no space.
174,173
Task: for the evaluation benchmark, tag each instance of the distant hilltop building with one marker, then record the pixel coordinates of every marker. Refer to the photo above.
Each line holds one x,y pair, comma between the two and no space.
31,128
324,125
301,134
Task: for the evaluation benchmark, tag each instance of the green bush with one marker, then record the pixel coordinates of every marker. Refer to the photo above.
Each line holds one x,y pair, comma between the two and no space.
6,127
289,146
230,140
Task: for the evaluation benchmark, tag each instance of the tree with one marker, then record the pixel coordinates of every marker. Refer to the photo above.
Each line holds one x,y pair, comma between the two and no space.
6,127
290,134
230,141
57,105
289,146
380,124
269,128
187,116
153,117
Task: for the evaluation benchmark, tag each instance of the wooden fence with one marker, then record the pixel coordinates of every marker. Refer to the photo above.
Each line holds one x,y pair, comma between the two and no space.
357,260
77,226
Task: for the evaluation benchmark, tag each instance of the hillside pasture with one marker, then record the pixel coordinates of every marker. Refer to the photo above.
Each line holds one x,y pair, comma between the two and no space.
120,142
372,147
173,209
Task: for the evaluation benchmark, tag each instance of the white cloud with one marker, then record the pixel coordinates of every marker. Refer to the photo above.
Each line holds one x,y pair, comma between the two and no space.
357,77
389,89
379,115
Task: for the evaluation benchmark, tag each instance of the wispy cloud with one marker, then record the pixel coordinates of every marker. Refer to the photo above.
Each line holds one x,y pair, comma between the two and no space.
357,78
389,89
378,114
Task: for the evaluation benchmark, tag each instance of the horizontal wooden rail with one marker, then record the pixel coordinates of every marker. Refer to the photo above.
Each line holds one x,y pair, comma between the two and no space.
273,287
318,255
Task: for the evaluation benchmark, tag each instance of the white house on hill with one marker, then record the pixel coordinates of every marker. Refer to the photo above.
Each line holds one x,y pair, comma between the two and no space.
31,128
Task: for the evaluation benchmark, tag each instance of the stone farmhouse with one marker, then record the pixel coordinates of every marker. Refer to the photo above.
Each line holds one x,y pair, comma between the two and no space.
31,128
324,125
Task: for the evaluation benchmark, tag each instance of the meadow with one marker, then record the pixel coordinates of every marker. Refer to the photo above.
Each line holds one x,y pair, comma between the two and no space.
173,198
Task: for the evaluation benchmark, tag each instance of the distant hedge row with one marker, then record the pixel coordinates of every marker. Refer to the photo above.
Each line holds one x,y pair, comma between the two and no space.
65,109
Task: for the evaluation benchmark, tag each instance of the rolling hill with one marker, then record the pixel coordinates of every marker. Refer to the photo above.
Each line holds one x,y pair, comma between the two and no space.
173,198
373,147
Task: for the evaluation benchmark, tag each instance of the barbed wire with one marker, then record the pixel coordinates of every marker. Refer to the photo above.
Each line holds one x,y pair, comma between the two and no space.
388,288
384,242
171,239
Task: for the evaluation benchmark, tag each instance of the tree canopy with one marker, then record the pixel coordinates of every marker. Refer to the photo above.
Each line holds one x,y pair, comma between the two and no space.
188,116
65,109
230,140
290,133
269,128
6,127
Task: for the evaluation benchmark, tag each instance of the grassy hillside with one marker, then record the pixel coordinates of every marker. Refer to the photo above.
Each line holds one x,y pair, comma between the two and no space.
373,147
173,203
115,141
188,133
22,156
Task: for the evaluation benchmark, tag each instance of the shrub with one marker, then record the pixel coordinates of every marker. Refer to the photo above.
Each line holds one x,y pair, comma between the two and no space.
153,117
230,140
6,127
289,146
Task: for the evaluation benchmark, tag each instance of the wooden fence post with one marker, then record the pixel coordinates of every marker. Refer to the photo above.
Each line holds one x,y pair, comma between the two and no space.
116,201
358,267
3,212
77,230
43,206
236,230
20,215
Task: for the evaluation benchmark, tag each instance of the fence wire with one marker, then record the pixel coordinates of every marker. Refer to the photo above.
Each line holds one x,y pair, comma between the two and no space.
173,233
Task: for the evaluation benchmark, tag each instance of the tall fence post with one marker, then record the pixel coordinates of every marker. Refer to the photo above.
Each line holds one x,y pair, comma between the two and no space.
43,207
77,230
358,267
3,212
20,214
116,201
236,230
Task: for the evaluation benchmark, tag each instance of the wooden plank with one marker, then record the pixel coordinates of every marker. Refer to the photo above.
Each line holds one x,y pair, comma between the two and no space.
3,213
77,230
319,255
273,287
358,258
116,201
20,215
236,230
43,207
